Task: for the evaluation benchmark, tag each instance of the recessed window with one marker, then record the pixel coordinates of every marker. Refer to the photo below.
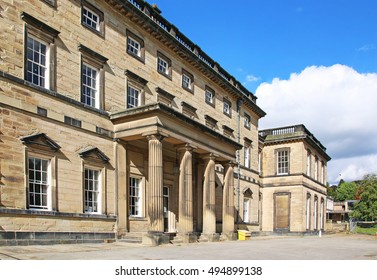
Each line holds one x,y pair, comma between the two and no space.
210,96
92,78
135,197
227,107
37,62
39,183
90,92
246,121
39,52
163,65
282,162
135,46
246,210
133,97
92,191
247,156
92,18
187,81
72,121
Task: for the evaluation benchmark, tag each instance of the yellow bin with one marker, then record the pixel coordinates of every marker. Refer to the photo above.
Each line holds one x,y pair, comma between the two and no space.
244,234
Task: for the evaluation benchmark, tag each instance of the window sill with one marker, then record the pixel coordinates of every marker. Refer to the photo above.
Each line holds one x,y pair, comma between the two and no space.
100,33
167,76
140,58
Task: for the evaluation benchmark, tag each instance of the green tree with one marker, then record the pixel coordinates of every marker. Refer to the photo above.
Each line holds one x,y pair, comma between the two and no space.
331,191
366,208
346,191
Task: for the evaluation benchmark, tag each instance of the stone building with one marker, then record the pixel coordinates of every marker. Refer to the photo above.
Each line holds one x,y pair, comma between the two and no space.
115,125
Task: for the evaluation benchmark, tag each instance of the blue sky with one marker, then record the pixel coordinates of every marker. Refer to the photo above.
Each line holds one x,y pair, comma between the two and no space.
308,61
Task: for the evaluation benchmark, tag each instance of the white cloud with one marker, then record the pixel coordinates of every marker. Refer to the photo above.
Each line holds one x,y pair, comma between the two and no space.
337,104
367,48
251,78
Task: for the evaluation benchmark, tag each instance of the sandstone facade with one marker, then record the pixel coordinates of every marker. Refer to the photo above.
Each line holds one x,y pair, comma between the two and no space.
114,123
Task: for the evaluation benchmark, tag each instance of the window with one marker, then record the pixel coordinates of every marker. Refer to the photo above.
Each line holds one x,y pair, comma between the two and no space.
133,97
309,163
92,196
39,183
308,212
316,168
247,156
135,197
260,162
282,162
135,46
92,18
37,62
39,52
210,96
246,210
163,65
90,91
227,108
92,77
72,121
246,120
187,81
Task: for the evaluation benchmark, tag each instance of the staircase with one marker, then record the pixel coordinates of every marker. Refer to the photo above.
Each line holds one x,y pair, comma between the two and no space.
132,237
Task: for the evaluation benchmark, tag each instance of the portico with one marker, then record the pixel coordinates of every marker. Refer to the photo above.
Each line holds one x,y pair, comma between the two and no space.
175,158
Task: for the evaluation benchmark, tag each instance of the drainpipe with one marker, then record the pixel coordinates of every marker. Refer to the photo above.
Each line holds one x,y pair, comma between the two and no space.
239,103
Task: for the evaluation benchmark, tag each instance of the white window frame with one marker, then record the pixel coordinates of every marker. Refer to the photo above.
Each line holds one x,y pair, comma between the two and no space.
133,97
247,151
186,81
316,168
91,88
136,193
282,162
133,46
210,96
247,120
45,182
162,66
43,78
90,21
227,108
95,190
246,210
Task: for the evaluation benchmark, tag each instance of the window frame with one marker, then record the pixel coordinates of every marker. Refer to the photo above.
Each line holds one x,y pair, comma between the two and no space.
247,155
46,35
164,58
95,61
246,120
98,191
282,170
130,87
212,99
139,197
229,106
189,83
246,210
48,185
141,51
100,30
90,88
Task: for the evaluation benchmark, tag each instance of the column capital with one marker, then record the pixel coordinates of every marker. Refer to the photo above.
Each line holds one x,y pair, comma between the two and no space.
155,136
210,156
229,163
186,147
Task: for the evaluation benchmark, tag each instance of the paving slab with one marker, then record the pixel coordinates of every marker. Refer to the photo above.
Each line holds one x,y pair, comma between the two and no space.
327,247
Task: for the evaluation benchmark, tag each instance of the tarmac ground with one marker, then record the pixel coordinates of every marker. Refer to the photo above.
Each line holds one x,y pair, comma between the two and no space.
326,247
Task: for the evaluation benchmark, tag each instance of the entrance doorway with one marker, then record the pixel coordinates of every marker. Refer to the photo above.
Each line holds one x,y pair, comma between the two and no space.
169,217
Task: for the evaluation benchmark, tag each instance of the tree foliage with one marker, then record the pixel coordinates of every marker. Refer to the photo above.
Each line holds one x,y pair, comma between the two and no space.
346,191
366,209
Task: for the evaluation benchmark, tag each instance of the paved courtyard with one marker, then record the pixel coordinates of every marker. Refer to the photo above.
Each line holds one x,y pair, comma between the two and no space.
327,247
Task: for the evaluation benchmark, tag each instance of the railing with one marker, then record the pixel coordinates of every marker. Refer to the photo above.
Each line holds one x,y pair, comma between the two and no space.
154,14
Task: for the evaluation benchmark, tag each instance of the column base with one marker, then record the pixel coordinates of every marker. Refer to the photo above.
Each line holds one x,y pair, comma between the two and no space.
188,237
209,237
155,238
229,236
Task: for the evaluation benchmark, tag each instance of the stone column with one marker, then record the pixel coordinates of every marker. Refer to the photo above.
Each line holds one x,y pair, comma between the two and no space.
228,202
185,203
209,214
155,184
122,211
155,235
185,191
